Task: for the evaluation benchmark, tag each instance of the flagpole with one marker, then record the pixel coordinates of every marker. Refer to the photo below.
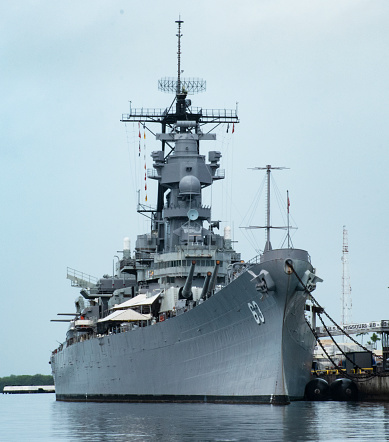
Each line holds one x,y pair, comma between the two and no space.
287,205
268,245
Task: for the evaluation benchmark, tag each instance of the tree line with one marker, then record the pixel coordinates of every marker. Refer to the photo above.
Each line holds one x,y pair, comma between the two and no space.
36,379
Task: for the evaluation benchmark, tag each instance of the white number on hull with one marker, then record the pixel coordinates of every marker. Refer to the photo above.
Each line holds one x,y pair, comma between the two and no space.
256,311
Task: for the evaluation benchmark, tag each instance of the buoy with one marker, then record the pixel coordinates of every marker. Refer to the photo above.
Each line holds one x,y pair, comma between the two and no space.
317,390
344,389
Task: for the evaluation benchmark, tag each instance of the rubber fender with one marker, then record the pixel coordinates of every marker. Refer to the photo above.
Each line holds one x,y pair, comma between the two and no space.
344,389
317,390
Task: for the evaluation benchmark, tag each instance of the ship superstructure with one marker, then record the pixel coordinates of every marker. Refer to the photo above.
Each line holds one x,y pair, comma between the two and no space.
184,318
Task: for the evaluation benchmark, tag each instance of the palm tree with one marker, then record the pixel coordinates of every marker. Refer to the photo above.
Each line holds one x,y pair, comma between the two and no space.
373,340
362,334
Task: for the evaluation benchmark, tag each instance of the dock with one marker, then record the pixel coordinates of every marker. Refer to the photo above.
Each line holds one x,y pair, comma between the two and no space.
25,389
373,389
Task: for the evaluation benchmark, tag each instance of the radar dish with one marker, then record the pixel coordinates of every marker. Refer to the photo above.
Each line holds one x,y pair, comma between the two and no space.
193,214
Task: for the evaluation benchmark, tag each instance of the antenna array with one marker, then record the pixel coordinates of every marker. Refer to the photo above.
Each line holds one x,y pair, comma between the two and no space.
181,85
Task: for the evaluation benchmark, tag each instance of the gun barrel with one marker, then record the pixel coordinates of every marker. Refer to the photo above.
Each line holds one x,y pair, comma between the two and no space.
205,286
212,283
187,290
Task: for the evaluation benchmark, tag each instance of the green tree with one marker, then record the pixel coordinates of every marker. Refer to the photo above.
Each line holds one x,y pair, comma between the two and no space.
36,379
373,341
362,334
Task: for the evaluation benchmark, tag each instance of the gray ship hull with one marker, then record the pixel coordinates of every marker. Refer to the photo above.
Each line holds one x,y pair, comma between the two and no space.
223,350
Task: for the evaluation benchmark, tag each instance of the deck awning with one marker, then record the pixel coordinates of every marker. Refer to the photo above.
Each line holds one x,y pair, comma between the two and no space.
137,301
125,316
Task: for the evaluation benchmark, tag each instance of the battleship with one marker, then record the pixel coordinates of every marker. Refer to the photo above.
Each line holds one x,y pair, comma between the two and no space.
183,318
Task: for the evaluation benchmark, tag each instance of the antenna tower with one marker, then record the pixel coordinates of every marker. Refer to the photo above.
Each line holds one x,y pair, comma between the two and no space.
179,35
346,287
181,85
268,226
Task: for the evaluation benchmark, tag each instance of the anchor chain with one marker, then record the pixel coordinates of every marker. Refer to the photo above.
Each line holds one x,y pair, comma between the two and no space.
319,342
366,376
341,329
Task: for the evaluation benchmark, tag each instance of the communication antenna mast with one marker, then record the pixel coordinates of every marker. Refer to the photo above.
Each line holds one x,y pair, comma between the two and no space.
190,118
346,287
180,85
268,226
179,35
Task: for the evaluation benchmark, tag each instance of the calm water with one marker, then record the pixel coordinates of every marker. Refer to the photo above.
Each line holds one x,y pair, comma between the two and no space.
38,417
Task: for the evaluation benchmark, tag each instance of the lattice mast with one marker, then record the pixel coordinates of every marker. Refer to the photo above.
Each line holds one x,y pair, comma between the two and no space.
179,35
346,301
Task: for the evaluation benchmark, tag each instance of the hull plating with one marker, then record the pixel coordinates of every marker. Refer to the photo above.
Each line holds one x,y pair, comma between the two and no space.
216,352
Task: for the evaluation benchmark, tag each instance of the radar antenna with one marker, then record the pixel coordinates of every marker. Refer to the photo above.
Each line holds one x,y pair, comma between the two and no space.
181,85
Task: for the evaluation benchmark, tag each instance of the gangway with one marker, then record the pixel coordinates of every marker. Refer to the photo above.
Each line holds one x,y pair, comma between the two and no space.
381,327
363,327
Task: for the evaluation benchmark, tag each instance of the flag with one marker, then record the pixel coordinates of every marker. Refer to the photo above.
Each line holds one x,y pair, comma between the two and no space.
288,204
233,127
228,126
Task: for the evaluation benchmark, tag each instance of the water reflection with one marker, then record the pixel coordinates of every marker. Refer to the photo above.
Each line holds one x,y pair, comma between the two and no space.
39,418
174,422
339,421
302,421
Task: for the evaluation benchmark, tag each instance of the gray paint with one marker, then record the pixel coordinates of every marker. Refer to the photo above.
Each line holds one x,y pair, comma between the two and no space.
245,340
216,349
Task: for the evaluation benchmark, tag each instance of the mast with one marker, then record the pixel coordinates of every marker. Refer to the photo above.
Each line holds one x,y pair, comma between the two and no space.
268,243
180,188
346,287
287,206
179,35
268,226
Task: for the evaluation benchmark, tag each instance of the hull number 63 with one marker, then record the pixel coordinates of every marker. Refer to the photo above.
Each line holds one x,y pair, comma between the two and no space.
256,311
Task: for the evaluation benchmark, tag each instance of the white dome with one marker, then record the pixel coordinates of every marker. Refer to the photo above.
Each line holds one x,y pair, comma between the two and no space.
126,243
189,185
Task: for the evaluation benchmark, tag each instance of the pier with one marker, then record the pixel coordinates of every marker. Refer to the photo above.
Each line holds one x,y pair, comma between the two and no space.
25,389
373,389
364,368
362,328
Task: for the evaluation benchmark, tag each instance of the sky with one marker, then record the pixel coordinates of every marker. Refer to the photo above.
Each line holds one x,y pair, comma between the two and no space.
309,78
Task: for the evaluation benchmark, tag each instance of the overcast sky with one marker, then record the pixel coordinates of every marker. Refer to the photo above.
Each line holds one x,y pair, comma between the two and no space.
311,82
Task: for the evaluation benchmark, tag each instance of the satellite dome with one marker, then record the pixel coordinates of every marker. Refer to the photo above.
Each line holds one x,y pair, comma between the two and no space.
189,185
